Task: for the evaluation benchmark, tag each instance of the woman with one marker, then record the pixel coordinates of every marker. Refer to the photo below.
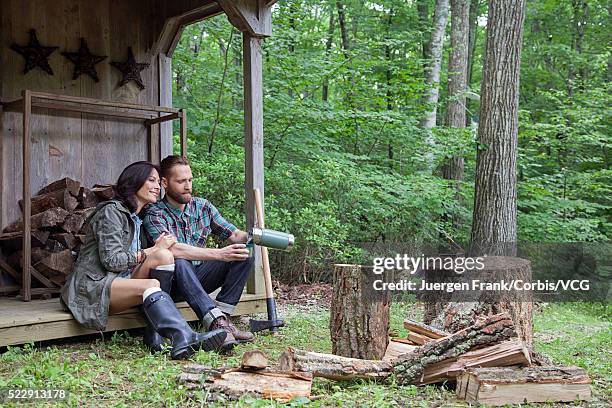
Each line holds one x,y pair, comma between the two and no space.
113,272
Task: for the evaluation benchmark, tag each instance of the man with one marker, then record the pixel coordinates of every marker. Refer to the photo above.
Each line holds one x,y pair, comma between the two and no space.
200,270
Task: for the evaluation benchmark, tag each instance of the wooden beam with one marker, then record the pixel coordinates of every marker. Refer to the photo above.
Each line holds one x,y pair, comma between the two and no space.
26,278
165,99
161,119
183,114
253,142
97,102
249,16
173,27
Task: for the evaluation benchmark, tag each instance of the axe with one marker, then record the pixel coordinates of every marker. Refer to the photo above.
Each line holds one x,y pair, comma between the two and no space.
272,323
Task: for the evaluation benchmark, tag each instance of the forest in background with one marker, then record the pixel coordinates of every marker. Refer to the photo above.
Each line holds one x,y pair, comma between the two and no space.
355,148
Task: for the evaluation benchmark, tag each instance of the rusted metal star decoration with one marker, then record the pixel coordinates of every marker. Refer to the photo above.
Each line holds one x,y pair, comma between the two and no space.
84,61
130,69
35,54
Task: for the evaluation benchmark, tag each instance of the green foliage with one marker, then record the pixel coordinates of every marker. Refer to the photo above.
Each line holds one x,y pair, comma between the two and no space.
355,166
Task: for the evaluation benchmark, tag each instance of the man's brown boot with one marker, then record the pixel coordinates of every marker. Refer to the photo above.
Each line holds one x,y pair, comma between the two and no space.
218,320
240,335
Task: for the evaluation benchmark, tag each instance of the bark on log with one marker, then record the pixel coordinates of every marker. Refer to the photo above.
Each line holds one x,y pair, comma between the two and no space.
333,367
58,198
87,198
13,241
73,223
235,383
507,353
103,192
491,330
359,322
57,266
68,240
48,219
462,312
66,183
53,217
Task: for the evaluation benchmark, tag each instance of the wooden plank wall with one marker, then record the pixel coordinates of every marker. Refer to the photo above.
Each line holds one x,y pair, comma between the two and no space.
81,146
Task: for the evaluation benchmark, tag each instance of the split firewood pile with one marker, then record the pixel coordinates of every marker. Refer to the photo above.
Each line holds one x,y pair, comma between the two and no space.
486,361
58,215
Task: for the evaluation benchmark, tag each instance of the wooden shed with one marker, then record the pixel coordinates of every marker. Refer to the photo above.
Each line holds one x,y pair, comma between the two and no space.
88,126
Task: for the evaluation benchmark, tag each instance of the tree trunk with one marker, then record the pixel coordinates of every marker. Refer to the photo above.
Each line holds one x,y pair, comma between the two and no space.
433,69
494,220
328,45
457,85
473,39
359,315
423,12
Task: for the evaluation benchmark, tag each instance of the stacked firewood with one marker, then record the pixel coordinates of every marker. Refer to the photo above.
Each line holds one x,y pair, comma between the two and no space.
58,215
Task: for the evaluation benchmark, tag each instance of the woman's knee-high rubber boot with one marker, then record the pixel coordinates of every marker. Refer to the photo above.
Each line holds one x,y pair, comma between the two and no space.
150,337
168,321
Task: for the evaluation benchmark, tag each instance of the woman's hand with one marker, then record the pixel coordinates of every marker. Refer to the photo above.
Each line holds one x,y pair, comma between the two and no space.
165,241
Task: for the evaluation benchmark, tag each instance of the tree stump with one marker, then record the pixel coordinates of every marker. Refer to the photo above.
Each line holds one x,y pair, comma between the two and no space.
462,311
359,315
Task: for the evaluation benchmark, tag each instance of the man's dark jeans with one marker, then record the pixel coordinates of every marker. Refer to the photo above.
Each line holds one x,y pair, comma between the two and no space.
194,283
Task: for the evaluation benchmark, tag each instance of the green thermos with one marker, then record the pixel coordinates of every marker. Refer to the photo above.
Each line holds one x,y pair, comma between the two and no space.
272,239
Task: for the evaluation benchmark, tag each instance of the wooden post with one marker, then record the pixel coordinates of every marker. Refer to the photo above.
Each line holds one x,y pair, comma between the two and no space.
183,114
165,99
359,315
253,142
26,277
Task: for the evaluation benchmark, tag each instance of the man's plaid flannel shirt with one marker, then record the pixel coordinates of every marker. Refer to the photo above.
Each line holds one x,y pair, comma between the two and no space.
191,226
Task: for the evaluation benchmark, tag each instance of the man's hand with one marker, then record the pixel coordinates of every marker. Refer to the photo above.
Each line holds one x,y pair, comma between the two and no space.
165,241
234,252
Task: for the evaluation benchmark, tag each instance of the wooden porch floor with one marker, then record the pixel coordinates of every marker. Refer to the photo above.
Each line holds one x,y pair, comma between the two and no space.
21,322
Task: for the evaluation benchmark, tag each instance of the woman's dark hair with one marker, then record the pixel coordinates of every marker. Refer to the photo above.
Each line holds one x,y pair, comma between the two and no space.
131,179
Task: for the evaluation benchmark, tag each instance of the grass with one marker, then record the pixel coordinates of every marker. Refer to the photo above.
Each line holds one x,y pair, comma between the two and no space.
120,372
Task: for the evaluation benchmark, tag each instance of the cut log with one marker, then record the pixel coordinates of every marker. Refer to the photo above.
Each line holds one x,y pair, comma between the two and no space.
359,320
419,338
501,386
53,217
486,332
254,360
234,383
104,192
462,310
66,183
56,266
87,198
13,241
333,367
67,239
74,222
47,219
396,348
508,353
58,198
424,329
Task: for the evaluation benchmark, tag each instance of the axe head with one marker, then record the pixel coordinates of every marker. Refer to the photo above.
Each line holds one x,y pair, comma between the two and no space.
259,325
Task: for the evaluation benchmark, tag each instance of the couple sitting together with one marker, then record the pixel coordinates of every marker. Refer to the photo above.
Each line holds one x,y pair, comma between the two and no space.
141,250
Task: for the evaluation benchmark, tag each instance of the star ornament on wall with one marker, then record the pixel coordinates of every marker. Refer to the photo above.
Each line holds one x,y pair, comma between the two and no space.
84,61
36,56
130,69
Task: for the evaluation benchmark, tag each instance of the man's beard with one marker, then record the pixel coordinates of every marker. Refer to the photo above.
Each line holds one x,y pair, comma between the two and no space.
179,198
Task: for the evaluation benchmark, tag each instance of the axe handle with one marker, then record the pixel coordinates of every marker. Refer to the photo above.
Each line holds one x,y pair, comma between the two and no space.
264,251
